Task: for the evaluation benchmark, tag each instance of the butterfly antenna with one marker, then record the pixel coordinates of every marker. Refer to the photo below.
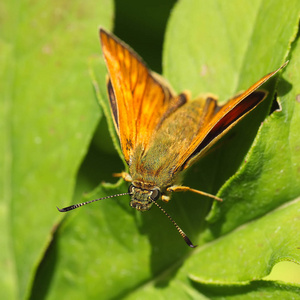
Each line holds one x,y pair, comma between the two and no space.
68,208
181,232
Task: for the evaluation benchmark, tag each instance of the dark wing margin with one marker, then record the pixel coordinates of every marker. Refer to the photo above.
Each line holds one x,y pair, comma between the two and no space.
113,104
228,121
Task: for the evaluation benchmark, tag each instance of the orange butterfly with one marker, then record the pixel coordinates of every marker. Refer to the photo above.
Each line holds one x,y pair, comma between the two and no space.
156,146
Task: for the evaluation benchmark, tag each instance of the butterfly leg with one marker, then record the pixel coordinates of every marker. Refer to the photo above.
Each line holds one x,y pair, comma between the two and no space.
124,175
179,188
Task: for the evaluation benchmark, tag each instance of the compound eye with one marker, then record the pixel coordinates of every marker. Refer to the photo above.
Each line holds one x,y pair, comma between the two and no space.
130,189
155,194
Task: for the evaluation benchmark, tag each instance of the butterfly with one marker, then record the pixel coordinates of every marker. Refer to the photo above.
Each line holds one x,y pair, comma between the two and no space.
162,134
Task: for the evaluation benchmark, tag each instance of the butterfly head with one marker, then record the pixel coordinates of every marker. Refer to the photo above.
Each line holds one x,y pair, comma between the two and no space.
142,198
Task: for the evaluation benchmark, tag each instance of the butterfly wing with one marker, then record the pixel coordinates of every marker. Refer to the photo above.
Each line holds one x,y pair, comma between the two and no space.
225,118
139,100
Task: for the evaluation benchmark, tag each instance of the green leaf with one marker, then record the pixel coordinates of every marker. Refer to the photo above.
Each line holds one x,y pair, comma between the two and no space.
250,252
178,289
218,41
48,115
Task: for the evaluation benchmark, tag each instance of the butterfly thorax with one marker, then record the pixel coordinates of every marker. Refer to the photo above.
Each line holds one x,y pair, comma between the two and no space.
159,162
143,195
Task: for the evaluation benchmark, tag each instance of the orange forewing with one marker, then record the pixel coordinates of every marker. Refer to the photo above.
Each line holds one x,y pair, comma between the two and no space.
138,100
